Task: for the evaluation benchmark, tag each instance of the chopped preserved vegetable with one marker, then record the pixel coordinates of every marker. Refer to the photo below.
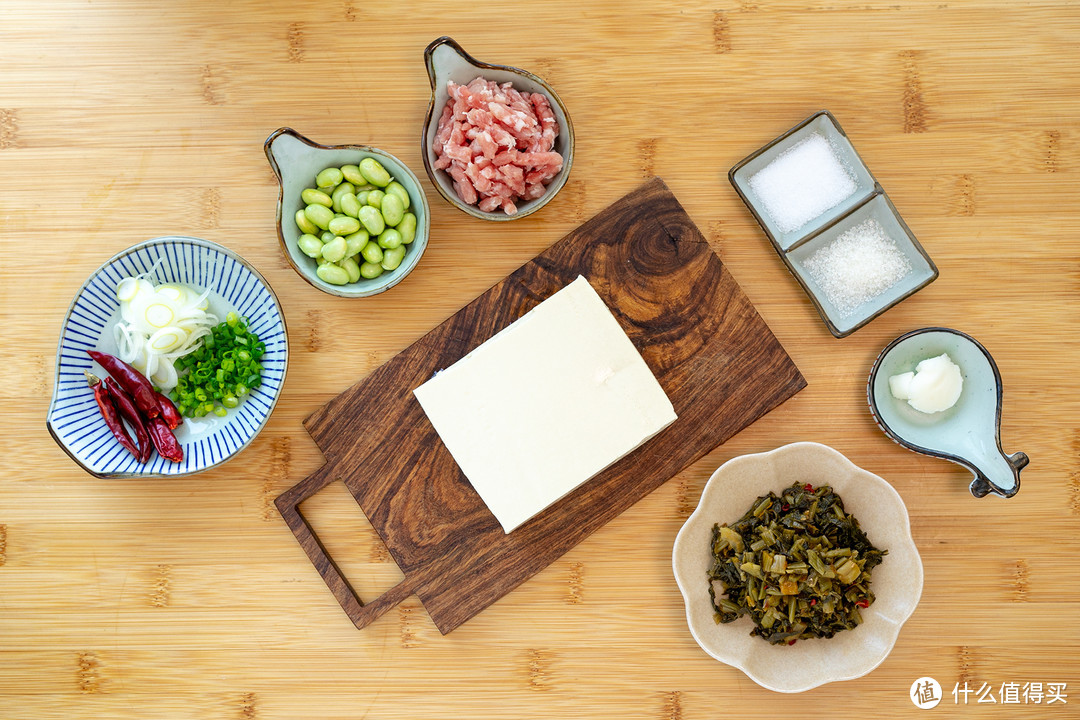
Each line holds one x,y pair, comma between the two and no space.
797,563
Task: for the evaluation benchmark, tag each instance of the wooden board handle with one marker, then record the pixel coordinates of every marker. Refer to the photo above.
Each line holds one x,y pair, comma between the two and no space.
362,614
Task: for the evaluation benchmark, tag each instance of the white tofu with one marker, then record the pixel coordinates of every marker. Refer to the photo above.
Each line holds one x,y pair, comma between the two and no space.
545,404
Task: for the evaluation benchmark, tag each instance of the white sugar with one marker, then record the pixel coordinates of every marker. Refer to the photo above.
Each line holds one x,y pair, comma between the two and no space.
857,266
802,182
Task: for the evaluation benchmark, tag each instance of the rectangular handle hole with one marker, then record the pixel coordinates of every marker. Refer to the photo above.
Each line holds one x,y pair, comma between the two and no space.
351,541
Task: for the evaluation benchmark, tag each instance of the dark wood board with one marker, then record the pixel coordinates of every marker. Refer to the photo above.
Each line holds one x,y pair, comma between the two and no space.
712,353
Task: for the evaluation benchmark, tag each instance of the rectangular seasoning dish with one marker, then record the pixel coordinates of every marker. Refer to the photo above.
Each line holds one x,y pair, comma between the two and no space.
866,200
821,124
880,209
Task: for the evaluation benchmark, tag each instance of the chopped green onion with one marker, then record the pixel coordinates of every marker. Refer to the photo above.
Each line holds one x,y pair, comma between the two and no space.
223,369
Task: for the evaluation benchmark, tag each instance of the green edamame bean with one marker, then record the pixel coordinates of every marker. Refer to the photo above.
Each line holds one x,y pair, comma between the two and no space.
340,191
352,174
396,188
310,245
355,243
344,225
392,258
349,205
320,215
352,267
374,172
392,209
348,222
333,274
334,251
370,270
372,253
305,225
407,228
329,178
371,219
389,239
311,196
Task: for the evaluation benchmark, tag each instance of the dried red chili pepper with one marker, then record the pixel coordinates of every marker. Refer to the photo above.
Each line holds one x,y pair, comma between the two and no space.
129,412
168,411
131,380
108,411
863,603
166,443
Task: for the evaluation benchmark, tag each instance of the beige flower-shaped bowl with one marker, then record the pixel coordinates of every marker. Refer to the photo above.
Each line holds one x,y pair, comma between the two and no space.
897,582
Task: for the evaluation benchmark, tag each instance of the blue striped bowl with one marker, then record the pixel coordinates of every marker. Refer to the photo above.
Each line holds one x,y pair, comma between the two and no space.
74,420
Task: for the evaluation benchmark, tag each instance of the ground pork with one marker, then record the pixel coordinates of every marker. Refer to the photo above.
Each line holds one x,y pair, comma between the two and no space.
497,144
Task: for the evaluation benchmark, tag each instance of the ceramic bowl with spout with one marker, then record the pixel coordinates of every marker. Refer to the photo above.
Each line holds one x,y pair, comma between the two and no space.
296,161
968,433
447,61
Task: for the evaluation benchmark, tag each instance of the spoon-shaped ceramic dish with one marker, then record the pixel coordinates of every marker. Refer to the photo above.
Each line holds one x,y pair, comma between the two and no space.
445,61
296,160
969,433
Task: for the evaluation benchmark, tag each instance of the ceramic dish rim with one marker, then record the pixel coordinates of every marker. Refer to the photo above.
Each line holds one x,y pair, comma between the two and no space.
568,158
892,629
875,191
162,240
798,127
871,400
339,291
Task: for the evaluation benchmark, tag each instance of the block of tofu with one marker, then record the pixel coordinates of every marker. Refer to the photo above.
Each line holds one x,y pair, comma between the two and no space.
545,404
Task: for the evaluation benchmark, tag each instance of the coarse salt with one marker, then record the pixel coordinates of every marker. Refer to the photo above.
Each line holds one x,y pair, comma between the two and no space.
857,266
802,183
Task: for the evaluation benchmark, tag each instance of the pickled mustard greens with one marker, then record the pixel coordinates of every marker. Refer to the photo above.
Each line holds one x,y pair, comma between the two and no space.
797,563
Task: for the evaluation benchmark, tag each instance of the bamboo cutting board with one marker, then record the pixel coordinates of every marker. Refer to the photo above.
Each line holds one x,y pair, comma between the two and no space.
715,357
122,120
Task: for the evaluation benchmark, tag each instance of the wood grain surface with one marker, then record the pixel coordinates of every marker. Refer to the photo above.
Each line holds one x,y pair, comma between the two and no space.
712,353
124,120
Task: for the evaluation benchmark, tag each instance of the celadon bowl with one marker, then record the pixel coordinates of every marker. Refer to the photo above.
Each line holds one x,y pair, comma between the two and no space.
897,582
968,433
296,160
73,418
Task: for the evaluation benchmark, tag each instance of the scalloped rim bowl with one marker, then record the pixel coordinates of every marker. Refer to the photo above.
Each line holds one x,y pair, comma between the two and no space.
73,419
897,582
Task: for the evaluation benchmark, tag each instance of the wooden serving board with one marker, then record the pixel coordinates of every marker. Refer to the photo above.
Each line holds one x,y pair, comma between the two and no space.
712,353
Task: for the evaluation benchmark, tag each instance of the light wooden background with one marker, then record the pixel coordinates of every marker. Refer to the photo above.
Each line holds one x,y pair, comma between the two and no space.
121,121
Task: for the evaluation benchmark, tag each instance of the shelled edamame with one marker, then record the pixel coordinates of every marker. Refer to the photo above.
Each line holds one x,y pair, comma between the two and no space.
355,222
